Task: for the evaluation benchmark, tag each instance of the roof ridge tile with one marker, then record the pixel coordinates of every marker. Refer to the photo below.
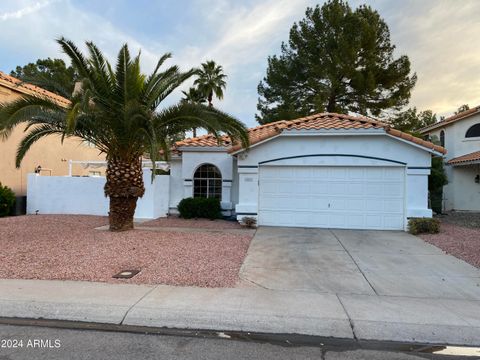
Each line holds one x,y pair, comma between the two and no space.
319,121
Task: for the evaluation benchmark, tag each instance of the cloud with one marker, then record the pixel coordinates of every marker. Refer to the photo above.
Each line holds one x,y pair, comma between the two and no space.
441,40
29,9
246,33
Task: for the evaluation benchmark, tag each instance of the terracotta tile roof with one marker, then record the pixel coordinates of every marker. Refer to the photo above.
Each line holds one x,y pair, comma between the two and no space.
25,88
465,159
451,119
323,121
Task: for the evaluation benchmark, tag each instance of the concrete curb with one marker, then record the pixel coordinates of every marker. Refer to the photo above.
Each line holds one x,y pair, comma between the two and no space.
355,317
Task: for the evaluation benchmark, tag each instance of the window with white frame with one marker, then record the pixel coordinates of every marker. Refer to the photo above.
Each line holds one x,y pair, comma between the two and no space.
207,182
473,131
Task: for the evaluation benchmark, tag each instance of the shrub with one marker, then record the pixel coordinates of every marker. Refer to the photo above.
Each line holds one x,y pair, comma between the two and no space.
186,208
208,208
423,226
7,200
249,222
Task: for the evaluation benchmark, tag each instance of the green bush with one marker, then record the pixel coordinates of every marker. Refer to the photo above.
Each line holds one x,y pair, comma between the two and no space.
249,222
423,226
208,208
436,200
7,200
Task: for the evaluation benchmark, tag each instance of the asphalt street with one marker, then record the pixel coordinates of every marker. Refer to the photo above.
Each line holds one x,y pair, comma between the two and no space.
33,342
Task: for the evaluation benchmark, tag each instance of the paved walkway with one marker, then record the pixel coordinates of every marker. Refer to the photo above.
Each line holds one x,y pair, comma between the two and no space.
345,284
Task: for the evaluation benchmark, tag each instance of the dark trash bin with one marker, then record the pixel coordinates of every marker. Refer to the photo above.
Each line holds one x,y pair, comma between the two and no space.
20,207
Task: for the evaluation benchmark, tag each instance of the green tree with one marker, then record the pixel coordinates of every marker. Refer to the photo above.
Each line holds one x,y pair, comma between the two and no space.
51,74
462,108
117,111
193,96
7,200
411,120
336,60
211,81
437,180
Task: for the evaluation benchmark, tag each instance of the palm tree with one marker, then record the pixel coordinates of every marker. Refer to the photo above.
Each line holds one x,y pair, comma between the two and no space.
193,96
116,110
211,81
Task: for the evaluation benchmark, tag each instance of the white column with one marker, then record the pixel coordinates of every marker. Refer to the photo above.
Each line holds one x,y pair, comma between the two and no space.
247,192
417,193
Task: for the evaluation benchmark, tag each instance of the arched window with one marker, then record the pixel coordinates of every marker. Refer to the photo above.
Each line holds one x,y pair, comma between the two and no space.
474,131
442,138
207,182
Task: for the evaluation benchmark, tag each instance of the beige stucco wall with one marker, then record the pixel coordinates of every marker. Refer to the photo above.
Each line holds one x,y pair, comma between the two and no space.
48,152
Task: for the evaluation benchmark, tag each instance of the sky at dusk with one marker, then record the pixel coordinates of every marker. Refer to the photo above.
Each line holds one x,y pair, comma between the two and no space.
441,37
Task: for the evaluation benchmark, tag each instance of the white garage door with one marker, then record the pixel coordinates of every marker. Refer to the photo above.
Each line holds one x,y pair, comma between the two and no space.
332,197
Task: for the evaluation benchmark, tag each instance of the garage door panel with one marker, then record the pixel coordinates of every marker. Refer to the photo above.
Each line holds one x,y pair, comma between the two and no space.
320,188
356,204
395,206
319,172
337,189
374,173
393,173
393,188
355,189
355,221
356,173
373,190
336,197
338,173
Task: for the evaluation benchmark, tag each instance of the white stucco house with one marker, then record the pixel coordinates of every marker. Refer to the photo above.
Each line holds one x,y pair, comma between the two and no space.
460,135
325,170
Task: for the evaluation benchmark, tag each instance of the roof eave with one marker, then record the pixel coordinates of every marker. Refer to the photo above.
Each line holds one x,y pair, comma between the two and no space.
425,148
451,121
464,163
202,148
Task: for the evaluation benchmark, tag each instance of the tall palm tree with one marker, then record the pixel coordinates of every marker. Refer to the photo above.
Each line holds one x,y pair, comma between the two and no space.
211,81
193,96
116,110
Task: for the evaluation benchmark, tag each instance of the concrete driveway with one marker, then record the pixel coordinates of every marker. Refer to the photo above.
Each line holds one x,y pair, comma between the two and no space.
384,263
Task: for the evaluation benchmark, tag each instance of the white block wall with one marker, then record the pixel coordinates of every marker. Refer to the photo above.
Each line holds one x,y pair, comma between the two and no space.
85,196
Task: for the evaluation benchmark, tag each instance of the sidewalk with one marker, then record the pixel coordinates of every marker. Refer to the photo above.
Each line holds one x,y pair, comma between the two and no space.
361,317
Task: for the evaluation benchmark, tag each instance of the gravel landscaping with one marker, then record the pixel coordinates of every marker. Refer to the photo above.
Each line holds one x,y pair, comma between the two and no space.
461,218
459,236
175,221
67,247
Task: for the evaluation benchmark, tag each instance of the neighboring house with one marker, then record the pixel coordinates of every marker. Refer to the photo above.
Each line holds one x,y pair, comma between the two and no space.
47,153
460,135
325,170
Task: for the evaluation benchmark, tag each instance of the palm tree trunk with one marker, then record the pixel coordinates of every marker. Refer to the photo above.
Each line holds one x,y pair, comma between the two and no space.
210,98
124,186
194,132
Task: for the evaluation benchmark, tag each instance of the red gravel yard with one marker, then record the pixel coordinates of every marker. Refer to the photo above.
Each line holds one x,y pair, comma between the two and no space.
460,241
67,247
175,221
